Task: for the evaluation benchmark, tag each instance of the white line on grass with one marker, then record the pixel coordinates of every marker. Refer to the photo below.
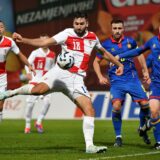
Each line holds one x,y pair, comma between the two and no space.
122,156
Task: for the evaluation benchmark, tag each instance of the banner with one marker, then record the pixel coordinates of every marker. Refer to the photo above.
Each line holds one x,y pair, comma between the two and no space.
63,108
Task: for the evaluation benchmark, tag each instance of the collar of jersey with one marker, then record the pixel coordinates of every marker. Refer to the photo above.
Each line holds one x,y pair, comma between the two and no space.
114,41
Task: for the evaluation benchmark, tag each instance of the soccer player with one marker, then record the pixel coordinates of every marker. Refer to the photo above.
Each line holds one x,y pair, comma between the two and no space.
6,45
126,83
42,60
154,100
80,42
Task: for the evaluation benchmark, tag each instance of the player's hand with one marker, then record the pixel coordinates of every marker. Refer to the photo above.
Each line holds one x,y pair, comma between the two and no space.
117,57
17,37
104,81
119,70
146,78
32,70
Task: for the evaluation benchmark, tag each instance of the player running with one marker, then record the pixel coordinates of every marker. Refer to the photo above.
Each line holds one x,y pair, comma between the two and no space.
42,60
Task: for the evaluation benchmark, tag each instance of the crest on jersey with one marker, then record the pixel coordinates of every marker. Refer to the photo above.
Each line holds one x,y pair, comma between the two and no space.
154,45
112,49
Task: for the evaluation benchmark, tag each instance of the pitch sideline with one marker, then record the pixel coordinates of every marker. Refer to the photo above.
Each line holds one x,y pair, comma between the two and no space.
122,156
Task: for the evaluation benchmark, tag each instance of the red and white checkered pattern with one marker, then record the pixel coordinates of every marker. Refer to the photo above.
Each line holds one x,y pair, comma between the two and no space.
41,62
80,46
6,45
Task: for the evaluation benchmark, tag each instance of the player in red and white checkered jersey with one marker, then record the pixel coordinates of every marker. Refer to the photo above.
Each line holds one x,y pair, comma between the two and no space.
42,60
81,42
6,45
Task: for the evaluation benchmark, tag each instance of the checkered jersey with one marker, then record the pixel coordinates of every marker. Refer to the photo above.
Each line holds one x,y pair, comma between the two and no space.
6,45
41,62
81,47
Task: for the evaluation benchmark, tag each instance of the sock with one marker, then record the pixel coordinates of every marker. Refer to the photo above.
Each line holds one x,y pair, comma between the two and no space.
1,116
88,130
155,122
46,105
144,114
24,90
117,122
28,113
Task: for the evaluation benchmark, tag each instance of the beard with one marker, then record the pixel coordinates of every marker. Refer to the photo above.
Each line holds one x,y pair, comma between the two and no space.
80,33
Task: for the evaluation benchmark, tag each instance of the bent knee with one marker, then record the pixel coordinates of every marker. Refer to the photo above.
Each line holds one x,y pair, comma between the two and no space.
40,88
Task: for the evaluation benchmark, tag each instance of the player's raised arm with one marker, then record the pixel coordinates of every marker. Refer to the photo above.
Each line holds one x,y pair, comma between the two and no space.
25,61
135,52
38,42
111,58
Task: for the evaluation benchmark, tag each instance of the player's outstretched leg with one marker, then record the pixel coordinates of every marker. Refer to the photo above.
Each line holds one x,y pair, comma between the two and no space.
26,89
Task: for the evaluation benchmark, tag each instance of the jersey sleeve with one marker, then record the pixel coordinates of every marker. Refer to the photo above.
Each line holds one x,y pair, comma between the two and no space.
137,51
98,44
149,60
60,37
134,44
15,48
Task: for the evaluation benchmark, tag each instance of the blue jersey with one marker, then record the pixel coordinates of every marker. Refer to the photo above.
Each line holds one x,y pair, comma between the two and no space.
149,61
154,45
127,43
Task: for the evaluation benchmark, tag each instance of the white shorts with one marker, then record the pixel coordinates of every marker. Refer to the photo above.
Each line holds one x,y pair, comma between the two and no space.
3,82
70,84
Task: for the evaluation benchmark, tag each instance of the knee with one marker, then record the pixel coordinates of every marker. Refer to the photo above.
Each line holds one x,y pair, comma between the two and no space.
154,112
89,111
39,89
117,106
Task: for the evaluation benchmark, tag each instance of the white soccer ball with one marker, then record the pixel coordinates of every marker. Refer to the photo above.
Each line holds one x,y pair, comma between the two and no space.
65,60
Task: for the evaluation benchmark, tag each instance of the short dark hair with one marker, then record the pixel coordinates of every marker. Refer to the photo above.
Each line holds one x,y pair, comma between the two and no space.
117,20
81,15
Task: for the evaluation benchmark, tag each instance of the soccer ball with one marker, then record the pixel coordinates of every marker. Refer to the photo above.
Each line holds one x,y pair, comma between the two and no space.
65,60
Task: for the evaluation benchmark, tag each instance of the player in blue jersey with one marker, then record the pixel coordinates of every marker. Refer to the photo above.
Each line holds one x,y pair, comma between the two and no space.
126,83
149,60
154,45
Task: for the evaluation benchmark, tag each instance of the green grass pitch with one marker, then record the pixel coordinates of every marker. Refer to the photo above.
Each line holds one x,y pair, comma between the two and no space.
63,140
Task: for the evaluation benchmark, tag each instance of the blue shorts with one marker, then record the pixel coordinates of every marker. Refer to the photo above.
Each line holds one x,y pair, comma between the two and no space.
133,88
154,90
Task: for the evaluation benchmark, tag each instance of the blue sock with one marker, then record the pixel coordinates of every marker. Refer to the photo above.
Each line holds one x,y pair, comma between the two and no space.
155,122
144,114
117,122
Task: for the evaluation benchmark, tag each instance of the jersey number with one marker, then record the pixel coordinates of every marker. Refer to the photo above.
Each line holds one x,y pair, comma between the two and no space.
40,65
76,45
